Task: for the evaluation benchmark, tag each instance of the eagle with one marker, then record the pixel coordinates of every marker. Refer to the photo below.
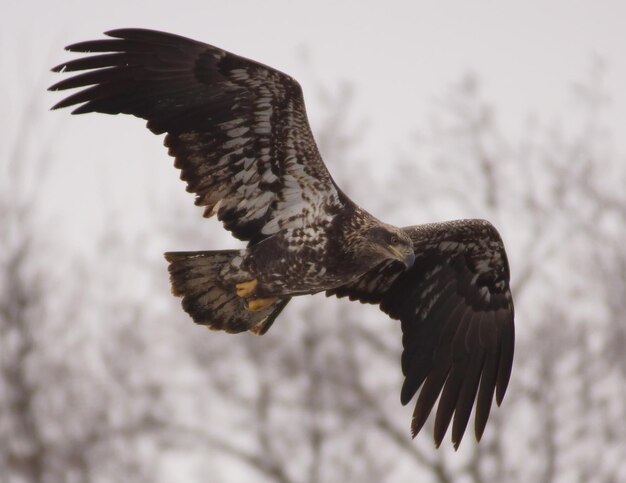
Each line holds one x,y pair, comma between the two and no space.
240,136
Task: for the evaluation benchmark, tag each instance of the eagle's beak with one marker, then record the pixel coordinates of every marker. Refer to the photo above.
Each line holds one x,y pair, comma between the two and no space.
406,257
409,259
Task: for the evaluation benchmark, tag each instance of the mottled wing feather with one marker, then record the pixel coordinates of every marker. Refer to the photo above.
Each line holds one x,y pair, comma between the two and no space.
456,312
238,129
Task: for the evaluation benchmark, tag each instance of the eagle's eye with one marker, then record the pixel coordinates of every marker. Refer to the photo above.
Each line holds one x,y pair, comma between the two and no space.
394,240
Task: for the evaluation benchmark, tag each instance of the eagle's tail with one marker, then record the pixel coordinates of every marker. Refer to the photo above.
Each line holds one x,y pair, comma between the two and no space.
209,299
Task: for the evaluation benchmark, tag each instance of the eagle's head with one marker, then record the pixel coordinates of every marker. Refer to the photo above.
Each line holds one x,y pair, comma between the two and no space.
384,242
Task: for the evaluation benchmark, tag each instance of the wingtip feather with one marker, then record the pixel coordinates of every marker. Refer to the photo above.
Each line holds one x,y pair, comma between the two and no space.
506,362
116,33
58,69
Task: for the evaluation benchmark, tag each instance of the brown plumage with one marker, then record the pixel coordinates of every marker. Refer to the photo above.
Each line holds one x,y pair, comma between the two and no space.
239,133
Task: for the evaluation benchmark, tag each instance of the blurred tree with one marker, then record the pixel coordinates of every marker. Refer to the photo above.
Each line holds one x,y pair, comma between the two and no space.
555,197
23,452
316,394
104,378
76,403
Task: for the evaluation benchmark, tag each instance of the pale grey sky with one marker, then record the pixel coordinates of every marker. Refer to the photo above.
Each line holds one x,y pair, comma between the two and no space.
401,57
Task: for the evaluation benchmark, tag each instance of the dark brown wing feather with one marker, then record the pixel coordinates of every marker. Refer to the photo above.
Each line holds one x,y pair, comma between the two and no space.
456,311
238,129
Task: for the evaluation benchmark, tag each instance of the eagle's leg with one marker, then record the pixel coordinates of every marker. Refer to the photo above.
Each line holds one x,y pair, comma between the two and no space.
259,304
245,289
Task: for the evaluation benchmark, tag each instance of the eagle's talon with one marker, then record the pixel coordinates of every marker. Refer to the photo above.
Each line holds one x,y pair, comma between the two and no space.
245,289
259,304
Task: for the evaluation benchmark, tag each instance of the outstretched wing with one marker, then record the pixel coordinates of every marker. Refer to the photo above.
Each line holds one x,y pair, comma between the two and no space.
238,129
456,311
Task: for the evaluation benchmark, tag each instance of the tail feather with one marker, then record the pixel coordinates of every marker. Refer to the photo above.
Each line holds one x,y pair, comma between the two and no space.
210,299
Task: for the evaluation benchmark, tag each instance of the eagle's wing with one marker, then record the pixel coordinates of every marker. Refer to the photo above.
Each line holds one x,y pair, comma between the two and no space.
238,129
456,311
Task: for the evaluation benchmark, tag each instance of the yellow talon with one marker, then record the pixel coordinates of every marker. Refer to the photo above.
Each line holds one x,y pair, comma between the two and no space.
245,289
259,304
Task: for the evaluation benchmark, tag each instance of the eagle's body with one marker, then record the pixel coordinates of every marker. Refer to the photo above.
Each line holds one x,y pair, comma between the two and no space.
308,260
240,136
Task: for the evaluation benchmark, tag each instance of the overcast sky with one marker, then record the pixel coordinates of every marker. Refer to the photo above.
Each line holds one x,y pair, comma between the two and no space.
400,56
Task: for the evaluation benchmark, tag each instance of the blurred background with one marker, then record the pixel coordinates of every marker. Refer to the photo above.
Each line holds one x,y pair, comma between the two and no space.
510,111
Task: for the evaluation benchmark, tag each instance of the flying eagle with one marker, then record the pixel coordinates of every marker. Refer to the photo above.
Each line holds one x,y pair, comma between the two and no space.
239,133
